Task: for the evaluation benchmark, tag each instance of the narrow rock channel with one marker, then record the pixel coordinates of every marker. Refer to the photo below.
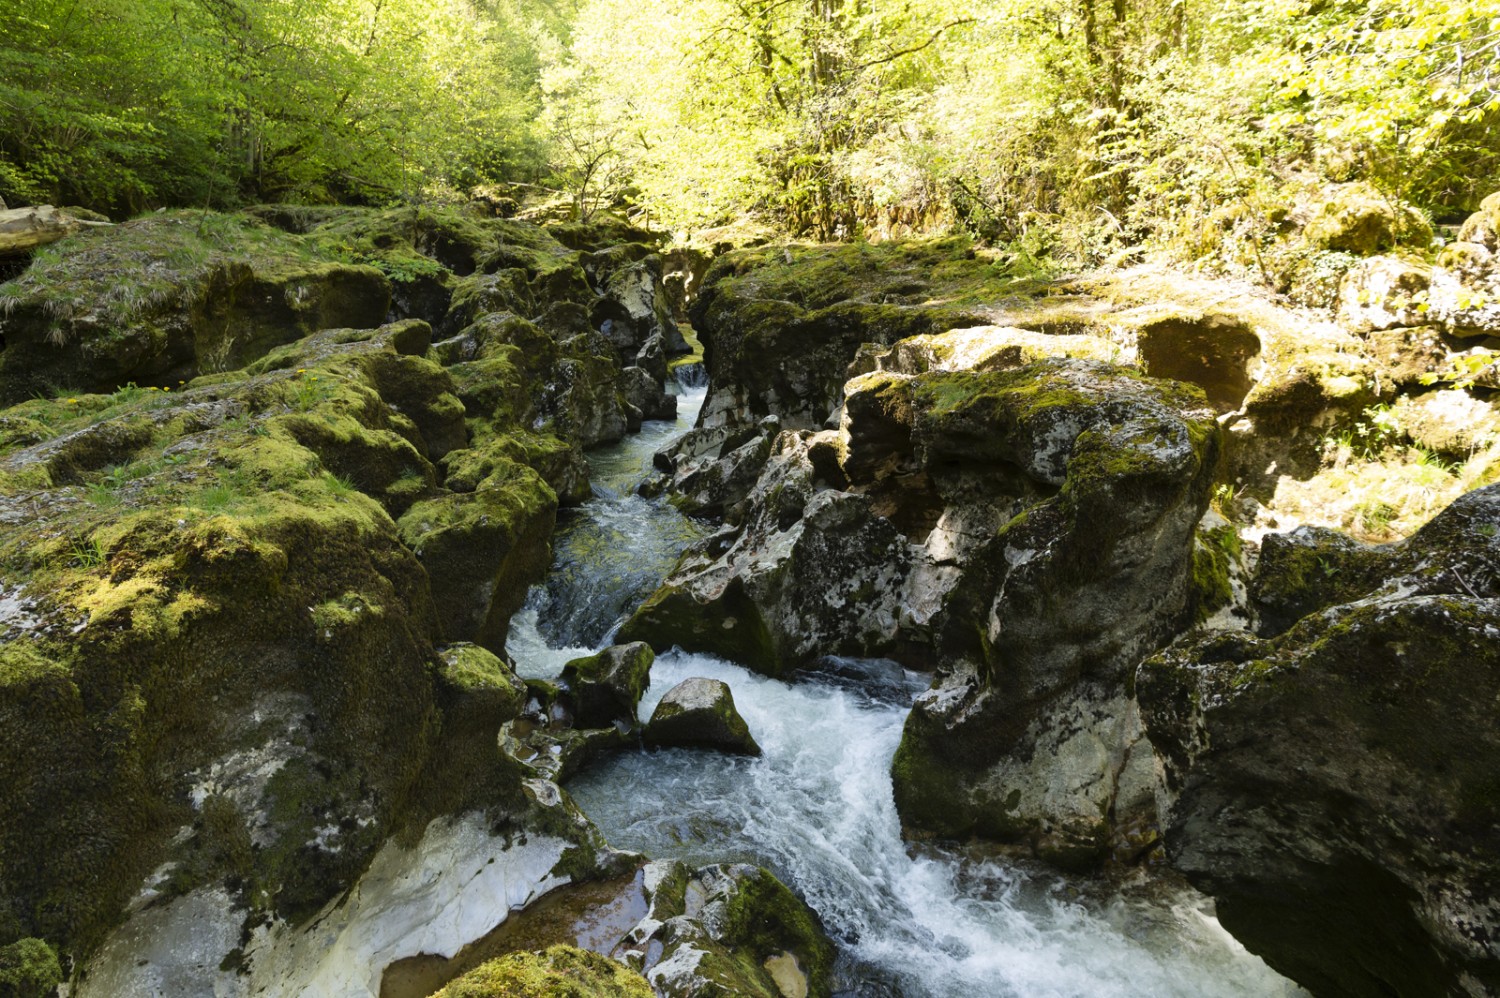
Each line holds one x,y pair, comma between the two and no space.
817,808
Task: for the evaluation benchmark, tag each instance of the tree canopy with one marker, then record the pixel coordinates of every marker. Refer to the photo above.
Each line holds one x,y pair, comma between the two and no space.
1112,121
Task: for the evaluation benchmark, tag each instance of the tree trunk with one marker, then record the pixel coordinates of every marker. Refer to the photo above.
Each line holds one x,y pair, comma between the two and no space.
24,229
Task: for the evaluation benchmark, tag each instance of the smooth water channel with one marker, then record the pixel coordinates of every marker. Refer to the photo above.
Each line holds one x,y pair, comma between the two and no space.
817,807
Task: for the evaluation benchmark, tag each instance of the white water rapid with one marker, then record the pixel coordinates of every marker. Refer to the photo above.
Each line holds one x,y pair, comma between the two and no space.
817,808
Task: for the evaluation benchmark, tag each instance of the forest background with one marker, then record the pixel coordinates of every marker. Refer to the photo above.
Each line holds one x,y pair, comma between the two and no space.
1060,128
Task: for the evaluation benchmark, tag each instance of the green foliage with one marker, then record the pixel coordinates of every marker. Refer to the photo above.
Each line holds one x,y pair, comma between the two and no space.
123,104
29,969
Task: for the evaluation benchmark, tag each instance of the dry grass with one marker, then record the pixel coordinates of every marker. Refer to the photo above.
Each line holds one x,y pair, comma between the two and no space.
1384,496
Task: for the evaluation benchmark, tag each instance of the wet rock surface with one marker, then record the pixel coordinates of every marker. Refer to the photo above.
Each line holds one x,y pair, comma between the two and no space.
699,713
731,930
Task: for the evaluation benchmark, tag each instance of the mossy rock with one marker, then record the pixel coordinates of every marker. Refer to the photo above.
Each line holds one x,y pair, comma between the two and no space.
558,972
672,616
1324,742
475,684
1358,219
29,969
607,686
482,548
165,298
745,933
700,713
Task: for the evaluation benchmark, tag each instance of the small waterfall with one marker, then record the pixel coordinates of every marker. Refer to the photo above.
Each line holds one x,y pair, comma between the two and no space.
913,922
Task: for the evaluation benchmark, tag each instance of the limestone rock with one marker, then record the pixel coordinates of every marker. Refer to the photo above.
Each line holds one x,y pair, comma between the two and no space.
1053,608
700,712
478,548
607,686
728,930
1383,293
1211,351
1312,568
1357,219
477,690
635,308
987,348
1312,386
1483,227
644,393
1464,296
1451,423
1333,790
1407,355
811,572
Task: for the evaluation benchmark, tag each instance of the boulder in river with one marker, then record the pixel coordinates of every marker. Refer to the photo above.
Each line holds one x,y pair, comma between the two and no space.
607,686
700,712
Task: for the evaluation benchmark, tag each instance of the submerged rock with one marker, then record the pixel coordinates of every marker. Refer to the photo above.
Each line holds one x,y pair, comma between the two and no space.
700,713
1332,787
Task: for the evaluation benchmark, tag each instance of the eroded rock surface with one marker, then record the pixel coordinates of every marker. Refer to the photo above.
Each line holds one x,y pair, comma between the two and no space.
1332,786
728,930
239,592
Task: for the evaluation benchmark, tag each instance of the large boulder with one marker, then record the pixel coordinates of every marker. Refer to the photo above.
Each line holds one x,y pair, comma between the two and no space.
1031,530
1356,218
1028,734
1333,787
814,571
700,713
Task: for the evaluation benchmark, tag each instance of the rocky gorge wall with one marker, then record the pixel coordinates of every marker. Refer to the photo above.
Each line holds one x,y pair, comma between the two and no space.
1072,502
271,487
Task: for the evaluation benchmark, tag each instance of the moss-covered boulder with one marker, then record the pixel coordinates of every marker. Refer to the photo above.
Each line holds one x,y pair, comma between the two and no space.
1334,788
1309,569
700,713
29,969
167,297
558,972
1028,735
728,930
1315,383
477,689
607,686
481,548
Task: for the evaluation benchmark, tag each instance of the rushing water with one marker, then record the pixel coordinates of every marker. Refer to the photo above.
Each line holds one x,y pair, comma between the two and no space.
817,807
